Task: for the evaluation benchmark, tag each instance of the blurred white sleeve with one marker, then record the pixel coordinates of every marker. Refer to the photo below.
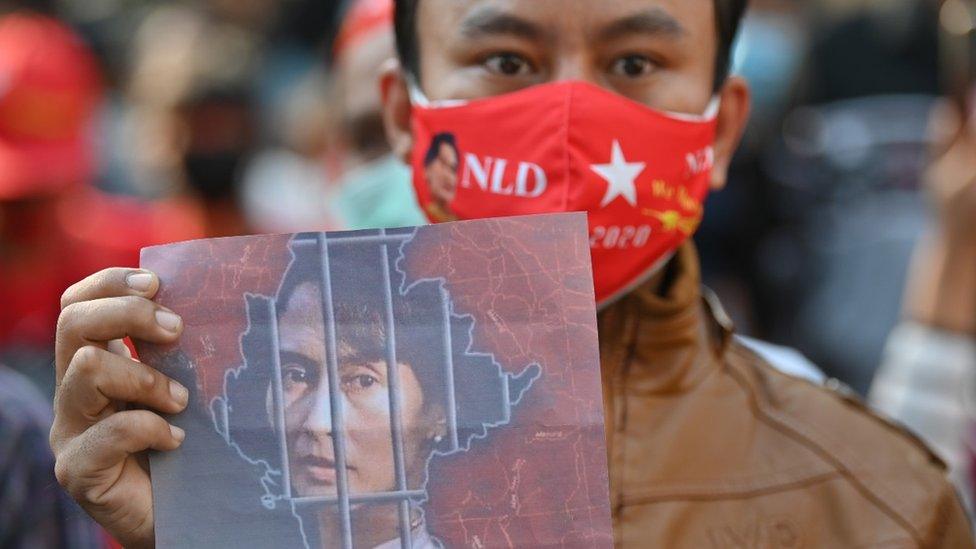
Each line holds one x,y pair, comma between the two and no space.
927,381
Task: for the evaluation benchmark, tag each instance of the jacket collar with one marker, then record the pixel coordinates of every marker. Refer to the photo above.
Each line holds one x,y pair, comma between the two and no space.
666,341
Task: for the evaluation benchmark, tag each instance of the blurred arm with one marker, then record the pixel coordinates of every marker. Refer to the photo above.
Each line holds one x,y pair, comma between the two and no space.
942,289
928,377
942,292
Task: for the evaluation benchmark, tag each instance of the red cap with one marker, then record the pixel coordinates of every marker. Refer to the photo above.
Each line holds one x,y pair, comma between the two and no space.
364,18
49,89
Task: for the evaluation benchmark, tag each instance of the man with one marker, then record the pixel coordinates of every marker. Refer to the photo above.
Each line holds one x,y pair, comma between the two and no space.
196,115
50,91
709,446
670,365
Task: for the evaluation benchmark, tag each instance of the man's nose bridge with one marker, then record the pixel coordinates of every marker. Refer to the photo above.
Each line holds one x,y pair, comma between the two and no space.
320,416
576,66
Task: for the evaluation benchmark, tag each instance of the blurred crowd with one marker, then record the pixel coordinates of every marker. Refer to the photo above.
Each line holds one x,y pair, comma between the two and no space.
131,123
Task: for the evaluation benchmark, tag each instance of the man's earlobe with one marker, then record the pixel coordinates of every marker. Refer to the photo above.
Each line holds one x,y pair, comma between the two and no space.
396,110
733,115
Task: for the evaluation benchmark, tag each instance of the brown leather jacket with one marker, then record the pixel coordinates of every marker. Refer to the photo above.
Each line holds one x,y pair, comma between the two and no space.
711,447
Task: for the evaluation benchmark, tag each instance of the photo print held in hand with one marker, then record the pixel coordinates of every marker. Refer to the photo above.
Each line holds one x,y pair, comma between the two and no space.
387,391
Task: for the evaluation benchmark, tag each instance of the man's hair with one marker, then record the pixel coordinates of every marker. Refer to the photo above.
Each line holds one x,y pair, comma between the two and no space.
728,16
360,319
436,143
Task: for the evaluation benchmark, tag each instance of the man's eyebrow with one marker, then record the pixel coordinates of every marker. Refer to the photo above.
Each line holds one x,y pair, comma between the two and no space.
492,22
292,357
651,22
378,367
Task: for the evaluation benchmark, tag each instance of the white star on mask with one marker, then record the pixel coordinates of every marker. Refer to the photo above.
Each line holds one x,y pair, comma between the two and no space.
620,176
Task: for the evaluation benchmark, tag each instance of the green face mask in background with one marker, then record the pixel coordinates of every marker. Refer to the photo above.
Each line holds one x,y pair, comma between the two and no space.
378,195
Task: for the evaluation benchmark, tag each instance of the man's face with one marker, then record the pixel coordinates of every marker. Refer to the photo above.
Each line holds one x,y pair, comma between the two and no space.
364,394
658,52
442,174
661,53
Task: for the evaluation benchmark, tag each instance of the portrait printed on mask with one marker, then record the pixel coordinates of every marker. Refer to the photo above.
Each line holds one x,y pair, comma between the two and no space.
364,399
441,167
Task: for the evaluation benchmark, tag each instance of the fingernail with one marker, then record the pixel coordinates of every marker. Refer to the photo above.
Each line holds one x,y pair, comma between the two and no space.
178,434
139,281
178,392
167,320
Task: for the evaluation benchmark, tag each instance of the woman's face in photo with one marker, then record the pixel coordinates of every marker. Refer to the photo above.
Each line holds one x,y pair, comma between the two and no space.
442,174
365,402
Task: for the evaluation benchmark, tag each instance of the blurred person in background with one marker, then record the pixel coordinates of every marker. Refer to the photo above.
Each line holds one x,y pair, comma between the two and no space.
375,190
769,55
842,198
194,114
290,186
289,183
928,377
35,513
54,226
217,139
208,139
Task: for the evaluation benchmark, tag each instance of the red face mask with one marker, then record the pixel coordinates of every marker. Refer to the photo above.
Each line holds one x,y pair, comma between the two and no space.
640,174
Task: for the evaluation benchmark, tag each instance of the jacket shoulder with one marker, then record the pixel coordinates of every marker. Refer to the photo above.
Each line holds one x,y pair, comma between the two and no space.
892,467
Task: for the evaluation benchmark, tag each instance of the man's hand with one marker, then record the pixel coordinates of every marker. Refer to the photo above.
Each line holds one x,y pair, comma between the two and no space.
97,438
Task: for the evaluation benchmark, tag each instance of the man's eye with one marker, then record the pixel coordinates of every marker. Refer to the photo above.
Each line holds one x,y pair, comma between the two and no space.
365,381
359,382
633,66
508,64
295,375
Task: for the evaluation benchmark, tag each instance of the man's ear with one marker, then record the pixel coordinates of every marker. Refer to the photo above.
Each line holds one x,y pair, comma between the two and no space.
733,115
437,417
396,110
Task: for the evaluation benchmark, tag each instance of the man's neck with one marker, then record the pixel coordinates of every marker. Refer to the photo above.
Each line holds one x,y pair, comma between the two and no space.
664,279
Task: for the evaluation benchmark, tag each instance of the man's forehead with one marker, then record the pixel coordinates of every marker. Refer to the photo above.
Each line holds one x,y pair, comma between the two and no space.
303,311
547,18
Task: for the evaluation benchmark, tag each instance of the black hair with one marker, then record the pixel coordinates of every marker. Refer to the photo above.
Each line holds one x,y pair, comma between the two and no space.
359,310
728,17
361,334
436,143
